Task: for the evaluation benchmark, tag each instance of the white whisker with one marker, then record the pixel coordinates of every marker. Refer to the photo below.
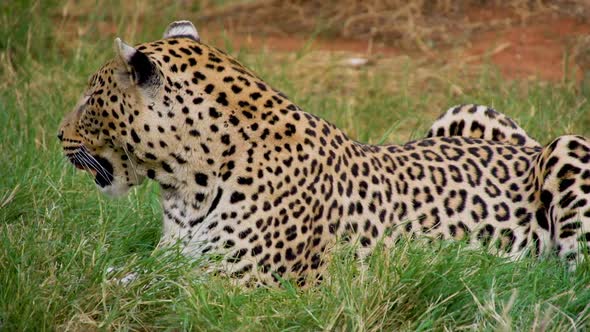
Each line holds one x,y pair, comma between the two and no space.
96,165
90,163
130,161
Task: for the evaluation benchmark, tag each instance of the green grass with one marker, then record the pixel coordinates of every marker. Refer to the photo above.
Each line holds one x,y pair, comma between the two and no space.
58,235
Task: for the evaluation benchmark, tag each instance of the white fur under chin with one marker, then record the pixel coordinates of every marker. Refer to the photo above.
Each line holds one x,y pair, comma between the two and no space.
115,189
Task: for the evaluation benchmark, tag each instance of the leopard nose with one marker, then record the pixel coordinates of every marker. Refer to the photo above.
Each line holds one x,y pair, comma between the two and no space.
60,135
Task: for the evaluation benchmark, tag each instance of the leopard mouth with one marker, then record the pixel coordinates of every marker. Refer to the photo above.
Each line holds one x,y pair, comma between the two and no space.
100,168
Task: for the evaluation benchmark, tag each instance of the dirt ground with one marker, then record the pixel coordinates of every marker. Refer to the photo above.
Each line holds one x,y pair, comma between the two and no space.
548,43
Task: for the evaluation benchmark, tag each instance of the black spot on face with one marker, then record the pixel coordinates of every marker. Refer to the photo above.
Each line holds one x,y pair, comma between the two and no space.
135,137
167,167
201,179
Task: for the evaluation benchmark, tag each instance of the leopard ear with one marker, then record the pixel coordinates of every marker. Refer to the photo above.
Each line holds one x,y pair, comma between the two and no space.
139,68
182,29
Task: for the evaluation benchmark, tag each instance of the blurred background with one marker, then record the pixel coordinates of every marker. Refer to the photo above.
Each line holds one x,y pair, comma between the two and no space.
524,38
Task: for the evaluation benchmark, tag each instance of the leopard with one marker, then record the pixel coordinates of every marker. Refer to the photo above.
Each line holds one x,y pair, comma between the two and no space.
249,177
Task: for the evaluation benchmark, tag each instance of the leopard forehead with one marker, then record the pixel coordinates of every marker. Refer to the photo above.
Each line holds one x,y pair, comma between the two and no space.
185,58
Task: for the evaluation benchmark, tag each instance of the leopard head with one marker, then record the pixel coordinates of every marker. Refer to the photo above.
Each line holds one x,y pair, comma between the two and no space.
101,134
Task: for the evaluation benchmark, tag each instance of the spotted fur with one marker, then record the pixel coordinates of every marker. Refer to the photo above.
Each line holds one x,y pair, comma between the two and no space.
478,121
248,175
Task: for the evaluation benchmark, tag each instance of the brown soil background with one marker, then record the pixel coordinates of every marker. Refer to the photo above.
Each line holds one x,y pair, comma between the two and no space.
541,40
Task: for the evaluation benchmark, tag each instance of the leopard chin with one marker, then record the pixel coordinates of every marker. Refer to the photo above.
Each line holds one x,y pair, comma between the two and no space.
102,171
115,189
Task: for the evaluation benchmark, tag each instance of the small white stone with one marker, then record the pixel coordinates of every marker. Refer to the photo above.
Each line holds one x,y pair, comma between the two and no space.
128,278
356,61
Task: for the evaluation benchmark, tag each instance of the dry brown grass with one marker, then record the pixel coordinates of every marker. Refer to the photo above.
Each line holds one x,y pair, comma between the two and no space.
425,23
